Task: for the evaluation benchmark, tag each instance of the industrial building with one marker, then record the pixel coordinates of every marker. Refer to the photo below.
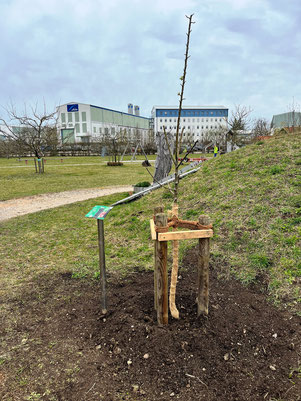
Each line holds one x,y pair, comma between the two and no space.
196,120
78,123
289,121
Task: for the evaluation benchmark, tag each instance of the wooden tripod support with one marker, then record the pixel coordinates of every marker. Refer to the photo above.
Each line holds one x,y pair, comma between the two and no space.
202,230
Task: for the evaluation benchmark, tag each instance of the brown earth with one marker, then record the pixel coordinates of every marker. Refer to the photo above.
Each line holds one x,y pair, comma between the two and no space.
57,346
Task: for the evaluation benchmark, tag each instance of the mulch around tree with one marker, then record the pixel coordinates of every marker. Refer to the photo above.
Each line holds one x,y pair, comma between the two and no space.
58,347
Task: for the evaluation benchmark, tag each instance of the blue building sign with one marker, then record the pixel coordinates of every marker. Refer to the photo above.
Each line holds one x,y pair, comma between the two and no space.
72,107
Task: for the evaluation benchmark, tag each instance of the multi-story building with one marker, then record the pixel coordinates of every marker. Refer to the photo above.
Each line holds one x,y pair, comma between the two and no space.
78,122
196,120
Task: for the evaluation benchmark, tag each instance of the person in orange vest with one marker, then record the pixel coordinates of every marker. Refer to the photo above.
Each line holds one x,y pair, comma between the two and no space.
215,151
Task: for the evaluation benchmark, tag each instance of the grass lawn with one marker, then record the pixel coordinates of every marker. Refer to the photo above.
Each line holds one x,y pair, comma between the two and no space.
18,178
251,196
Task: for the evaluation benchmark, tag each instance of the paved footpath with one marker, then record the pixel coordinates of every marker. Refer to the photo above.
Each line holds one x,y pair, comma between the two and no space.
31,204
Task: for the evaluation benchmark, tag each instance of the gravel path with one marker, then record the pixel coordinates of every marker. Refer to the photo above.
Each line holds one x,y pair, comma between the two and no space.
31,204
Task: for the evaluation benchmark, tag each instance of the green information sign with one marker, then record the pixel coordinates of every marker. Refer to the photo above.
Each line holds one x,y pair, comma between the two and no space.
99,212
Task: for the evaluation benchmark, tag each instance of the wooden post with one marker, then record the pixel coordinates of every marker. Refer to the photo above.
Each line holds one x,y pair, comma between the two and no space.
161,273
203,271
35,164
174,274
102,265
158,209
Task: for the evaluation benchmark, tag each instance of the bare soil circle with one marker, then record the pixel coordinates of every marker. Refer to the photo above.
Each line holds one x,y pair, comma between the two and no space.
245,350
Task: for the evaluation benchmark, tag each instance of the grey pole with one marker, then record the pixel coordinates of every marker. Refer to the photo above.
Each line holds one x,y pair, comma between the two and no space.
102,265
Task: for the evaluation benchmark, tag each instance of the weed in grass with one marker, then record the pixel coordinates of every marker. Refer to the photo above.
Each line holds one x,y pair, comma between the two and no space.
275,170
191,214
167,195
33,396
260,261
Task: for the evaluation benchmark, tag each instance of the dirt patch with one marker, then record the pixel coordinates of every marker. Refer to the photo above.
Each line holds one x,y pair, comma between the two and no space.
58,347
31,204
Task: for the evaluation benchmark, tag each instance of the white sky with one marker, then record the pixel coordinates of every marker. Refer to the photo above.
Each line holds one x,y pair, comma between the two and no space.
111,53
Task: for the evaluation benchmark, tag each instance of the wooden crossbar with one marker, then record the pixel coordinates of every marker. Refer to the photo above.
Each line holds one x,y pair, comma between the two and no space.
178,235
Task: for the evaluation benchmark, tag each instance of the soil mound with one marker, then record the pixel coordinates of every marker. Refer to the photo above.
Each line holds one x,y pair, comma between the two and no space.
244,350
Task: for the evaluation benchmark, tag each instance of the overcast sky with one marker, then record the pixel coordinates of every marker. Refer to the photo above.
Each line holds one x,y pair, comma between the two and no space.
112,52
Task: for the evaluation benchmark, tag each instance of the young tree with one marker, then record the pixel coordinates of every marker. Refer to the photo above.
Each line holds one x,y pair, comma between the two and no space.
174,156
31,128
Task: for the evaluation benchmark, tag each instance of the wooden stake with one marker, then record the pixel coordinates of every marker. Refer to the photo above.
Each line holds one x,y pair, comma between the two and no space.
102,265
203,271
158,209
174,274
161,273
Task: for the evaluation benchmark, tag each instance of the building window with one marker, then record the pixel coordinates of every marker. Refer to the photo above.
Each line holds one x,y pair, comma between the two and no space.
84,116
160,120
106,131
94,130
77,128
69,117
100,130
161,128
76,115
63,117
197,127
165,120
184,120
84,125
188,120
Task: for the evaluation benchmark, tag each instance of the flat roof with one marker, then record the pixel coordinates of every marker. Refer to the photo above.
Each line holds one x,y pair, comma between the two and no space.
104,108
190,107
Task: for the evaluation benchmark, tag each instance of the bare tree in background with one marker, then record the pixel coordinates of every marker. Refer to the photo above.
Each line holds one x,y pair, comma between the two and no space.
240,118
261,127
115,142
32,128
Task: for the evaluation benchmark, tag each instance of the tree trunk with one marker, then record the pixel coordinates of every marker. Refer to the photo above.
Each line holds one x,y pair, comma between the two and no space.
164,159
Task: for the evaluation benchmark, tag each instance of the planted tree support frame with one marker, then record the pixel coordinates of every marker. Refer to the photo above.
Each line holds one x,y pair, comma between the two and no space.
201,230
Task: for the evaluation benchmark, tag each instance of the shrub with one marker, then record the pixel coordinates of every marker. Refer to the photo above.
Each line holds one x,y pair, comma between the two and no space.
143,184
114,164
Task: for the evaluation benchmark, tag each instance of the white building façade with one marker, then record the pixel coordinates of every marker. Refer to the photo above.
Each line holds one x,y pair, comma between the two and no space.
79,122
196,120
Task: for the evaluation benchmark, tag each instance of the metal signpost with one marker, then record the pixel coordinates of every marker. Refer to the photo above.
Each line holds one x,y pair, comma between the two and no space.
99,213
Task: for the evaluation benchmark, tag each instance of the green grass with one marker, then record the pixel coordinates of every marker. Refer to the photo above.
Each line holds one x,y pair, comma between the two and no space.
255,210
19,179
